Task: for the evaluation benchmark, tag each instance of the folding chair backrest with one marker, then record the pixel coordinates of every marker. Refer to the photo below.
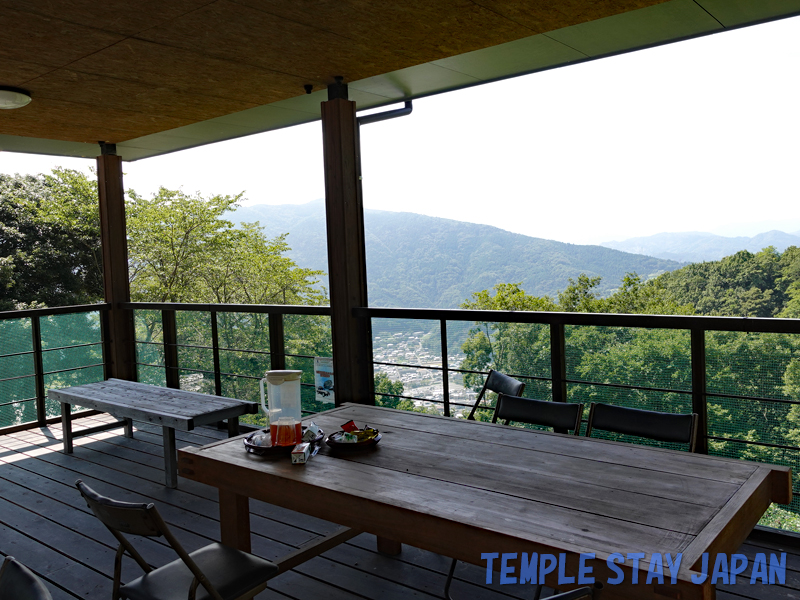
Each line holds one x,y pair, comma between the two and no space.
17,582
500,384
132,518
680,428
558,415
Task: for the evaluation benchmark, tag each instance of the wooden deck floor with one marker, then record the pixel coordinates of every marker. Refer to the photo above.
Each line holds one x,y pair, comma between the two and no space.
45,524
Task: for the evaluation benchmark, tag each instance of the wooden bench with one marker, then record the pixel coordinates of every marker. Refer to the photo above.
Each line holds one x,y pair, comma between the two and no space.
172,409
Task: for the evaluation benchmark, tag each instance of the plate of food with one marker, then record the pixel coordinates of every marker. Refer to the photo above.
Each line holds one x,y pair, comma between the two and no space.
353,438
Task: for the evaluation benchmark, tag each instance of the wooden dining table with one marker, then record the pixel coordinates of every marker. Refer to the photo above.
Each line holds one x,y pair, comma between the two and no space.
463,488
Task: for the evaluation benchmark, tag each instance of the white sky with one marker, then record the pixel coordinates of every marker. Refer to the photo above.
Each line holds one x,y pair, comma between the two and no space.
696,136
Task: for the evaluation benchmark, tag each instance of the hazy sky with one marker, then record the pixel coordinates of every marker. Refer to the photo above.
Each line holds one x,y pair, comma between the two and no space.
696,136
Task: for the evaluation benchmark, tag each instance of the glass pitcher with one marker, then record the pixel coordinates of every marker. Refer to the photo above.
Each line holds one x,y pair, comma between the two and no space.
283,392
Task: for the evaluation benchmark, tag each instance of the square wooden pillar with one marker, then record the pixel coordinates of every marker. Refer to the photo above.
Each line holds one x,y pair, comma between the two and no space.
121,349
347,264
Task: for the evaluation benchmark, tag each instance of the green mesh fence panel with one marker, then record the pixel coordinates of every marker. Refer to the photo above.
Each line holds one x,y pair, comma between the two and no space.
457,334
765,366
17,413
16,366
754,420
196,359
64,359
252,364
69,379
307,335
70,330
15,336
17,386
72,354
753,364
779,515
241,331
149,345
413,349
192,381
152,375
671,402
655,358
243,388
195,351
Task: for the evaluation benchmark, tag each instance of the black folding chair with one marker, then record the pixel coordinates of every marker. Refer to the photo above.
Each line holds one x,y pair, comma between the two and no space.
18,582
500,384
680,428
224,573
561,416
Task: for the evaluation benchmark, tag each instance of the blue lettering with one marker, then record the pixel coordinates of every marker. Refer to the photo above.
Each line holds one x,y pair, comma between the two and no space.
738,565
635,557
703,575
506,569
674,565
584,570
544,567
777,568
655,570
489,558
527,568
720,569
612,559
759,568
562,574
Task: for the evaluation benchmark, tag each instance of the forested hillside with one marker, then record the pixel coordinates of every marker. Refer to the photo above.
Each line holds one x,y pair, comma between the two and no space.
764,284
419,261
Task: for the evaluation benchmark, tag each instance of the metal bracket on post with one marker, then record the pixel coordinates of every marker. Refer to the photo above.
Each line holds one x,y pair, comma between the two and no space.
389,114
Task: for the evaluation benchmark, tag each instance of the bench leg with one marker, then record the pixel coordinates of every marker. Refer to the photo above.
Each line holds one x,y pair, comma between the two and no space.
170,458
233,426
66,427
128,428
387,546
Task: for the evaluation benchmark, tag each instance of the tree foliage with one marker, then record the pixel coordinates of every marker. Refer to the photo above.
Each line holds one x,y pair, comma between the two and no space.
181,249
49,241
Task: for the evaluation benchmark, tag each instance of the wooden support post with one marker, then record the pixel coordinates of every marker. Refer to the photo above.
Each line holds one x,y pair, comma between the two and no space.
170,332
347,265
121,344
699,399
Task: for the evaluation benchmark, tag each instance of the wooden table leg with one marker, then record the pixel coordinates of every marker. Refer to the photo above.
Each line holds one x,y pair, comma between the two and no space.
170,458
234,520
66,427
233,426
128,428
387,546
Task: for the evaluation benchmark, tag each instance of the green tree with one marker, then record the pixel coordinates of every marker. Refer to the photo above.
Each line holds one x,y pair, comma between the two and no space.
49,241
386,391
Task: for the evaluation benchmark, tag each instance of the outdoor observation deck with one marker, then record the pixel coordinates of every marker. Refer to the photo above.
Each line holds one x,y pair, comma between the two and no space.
45,524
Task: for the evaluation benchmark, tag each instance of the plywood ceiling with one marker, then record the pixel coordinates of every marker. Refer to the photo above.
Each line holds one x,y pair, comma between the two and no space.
155,76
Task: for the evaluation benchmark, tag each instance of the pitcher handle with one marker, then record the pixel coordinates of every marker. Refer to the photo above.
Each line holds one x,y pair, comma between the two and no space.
263,403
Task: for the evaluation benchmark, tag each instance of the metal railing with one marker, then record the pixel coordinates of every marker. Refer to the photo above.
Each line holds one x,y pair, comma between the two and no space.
167,354
44,348
719,367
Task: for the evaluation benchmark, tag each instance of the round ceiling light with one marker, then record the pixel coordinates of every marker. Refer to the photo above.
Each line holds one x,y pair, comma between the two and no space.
11,97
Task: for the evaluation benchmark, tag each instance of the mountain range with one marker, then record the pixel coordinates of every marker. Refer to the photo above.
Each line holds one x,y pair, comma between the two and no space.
695,246
420,261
